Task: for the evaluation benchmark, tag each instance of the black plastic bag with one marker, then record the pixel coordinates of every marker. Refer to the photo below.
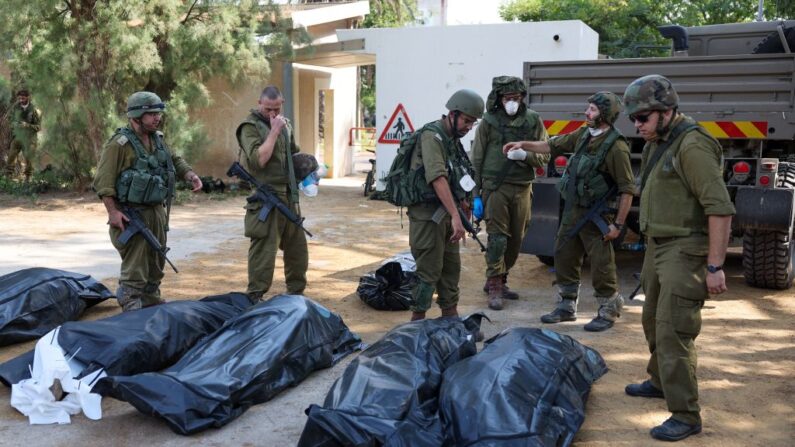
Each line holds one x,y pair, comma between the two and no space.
148,339
35,301
389,287
249,360
389,394
526,387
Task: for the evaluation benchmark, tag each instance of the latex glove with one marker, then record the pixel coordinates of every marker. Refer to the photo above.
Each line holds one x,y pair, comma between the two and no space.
517,154
477,208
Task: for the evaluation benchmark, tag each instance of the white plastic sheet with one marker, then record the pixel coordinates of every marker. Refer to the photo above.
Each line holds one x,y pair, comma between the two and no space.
34,397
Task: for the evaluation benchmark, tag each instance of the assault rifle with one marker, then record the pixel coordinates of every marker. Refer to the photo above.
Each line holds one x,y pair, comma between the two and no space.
637,289
135,226
266,195
594,215
440,212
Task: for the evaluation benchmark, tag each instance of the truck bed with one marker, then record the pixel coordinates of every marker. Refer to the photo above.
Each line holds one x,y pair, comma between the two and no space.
756,89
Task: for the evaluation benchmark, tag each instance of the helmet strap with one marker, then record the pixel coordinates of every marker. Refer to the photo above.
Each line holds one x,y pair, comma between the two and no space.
662,129
454,123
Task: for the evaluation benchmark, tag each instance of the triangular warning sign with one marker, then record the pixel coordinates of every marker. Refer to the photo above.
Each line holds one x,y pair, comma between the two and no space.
397,126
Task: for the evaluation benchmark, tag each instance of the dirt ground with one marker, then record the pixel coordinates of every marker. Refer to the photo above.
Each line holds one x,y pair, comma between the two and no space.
746,354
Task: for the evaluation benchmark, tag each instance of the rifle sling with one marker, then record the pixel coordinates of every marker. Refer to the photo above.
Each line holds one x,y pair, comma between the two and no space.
680,128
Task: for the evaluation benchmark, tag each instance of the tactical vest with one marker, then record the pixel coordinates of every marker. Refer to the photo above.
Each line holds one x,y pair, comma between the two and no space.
29,115
151,179
582,182
667,206
274,174
495,166
458,166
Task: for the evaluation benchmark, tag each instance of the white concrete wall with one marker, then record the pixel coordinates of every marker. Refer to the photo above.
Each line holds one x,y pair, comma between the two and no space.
421,67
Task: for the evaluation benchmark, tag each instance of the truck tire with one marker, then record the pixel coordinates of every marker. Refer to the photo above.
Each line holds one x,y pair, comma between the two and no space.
768,255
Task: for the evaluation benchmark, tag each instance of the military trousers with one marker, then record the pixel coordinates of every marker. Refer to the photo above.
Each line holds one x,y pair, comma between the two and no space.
674,281
267,237
506,212
569,258
28,151
438,262
141,266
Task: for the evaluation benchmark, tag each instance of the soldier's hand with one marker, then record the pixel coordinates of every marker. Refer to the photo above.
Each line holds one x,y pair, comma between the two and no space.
458,229
195,181
511,146
117,219
612,234
716,282
277,123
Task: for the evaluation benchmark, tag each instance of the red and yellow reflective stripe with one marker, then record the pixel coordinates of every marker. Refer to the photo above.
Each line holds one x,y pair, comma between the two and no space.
718,129
736,129
562,127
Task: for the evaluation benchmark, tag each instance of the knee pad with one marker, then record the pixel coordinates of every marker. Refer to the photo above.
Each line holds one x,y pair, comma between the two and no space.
496,247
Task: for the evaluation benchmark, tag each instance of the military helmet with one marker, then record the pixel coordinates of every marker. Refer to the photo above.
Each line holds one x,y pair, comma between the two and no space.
651,92
144,102
466,101
502,85
609,105
303,165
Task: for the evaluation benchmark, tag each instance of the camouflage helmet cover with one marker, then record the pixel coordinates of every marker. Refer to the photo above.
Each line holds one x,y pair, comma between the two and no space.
144,102
651,92
466,101
501,85
303,165
609,105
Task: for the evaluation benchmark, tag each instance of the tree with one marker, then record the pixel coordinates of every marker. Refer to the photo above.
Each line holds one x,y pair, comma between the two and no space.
383,14
6,101
628,27
81,59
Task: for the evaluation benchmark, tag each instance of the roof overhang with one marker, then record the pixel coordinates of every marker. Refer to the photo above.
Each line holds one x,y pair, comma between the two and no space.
348,53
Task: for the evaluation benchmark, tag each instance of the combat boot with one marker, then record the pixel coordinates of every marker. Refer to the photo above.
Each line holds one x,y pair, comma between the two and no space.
507,293
672,430
495,292
566,311
609,311
451,311
417,316
129,298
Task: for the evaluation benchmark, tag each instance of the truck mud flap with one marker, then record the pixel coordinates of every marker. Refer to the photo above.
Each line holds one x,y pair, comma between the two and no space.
764,209
544,219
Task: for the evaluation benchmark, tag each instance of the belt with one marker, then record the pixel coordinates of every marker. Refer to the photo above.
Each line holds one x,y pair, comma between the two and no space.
665,240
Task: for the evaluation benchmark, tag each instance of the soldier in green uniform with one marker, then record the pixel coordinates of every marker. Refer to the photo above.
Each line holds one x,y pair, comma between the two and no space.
503,183
685,213
25,122
600,161
267,145
435,225
137,169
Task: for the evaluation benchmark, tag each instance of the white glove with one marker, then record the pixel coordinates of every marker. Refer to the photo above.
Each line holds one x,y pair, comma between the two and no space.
517,154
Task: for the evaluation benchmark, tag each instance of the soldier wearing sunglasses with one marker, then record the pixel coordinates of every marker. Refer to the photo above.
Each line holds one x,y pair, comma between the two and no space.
685,212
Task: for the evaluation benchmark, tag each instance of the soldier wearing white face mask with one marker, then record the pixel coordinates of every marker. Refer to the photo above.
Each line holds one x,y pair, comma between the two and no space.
504,182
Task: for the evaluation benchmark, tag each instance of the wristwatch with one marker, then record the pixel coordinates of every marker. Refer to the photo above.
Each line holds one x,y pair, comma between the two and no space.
714,268
618,226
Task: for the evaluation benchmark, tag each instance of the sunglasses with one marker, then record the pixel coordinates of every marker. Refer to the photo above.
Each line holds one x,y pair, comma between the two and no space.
640,118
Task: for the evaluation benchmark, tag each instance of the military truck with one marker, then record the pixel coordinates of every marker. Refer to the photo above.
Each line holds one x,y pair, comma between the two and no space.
738,81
